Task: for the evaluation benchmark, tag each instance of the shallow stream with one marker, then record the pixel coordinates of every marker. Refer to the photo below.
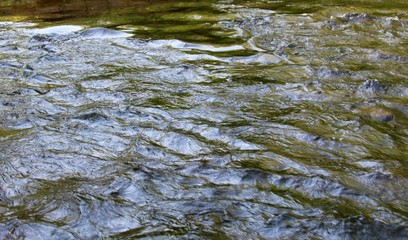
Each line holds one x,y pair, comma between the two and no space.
204,119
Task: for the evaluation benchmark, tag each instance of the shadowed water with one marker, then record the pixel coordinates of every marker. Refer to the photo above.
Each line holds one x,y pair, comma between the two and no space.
203,120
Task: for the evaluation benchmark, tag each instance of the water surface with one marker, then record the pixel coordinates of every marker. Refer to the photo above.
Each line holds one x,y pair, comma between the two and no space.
203,120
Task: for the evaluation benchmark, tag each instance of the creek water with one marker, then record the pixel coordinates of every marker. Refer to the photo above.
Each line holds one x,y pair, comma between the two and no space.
203,119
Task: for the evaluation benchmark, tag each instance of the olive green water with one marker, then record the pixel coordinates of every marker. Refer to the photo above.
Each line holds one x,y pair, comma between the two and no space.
204,119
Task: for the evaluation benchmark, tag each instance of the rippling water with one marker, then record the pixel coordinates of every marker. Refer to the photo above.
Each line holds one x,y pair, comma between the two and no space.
203,120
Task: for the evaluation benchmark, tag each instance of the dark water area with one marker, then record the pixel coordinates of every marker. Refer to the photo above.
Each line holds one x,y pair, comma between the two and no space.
204,119
51,10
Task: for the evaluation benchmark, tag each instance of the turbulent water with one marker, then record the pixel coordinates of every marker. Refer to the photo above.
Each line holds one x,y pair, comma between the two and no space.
204,119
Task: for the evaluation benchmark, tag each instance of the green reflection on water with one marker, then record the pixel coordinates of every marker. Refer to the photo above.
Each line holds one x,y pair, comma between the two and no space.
345,128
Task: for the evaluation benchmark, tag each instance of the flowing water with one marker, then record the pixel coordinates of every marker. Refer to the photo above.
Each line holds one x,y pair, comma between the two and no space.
204,119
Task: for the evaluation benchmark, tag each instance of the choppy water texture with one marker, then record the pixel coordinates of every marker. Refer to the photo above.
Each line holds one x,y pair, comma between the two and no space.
203,119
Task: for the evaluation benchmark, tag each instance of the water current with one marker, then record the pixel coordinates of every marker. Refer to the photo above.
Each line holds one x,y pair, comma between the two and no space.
204,119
